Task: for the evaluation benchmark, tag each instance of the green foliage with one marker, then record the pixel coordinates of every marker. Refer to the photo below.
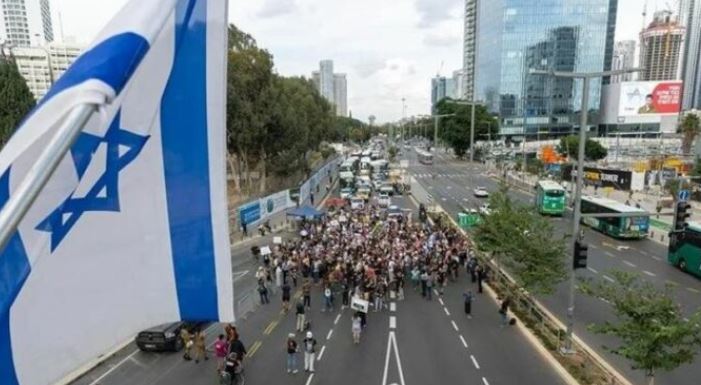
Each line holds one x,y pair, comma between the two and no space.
274,123
696,171
672,186
593,150
691,126
650,325
522,240
392,152
15,99
455,130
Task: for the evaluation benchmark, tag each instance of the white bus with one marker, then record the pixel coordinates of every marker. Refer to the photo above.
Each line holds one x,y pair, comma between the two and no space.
424,156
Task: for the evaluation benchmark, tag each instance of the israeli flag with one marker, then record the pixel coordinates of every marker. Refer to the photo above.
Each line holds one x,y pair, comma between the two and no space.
131,230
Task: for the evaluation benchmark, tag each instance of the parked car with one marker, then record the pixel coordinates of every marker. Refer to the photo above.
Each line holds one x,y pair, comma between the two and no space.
357,203
364,192
383,200
387,188
481,192
164,337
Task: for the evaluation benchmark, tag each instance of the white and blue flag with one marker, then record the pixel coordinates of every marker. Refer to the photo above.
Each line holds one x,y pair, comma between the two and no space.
132,229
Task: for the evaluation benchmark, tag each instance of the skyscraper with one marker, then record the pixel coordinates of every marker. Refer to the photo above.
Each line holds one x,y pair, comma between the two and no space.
513,36
623,57
41,66
333,87
660,47
467,88
690,18
25,22
439,88
340,93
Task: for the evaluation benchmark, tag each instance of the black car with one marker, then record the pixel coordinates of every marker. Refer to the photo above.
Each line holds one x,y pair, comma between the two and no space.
164,337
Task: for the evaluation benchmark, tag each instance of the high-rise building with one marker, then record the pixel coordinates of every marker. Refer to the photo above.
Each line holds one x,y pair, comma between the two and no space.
41,66
333,87
690,18
326,80
439,88
660,47
467,87
458,85
25,22
623,57
513,36
340,93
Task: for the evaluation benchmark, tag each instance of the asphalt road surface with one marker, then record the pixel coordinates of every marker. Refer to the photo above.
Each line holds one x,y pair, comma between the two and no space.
451,184
413,341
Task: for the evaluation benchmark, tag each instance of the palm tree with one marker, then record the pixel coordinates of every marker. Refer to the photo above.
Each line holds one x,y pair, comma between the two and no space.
691,125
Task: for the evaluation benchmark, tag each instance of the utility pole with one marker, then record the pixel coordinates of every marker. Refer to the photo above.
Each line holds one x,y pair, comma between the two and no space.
586,78
472,134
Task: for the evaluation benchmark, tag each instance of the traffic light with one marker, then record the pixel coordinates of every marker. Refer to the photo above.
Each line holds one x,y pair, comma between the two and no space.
681,216
580,255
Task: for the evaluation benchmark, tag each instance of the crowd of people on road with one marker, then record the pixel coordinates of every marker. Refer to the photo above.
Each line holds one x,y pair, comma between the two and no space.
365,255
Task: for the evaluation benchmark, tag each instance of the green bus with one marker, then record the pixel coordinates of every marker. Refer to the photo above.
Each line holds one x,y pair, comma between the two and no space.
685,249
633,226
550,198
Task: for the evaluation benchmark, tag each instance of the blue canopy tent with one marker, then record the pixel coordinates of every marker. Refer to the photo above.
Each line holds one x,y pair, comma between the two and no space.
307,212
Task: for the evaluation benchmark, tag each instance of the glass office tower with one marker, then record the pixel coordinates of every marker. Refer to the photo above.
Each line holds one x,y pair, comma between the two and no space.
514,36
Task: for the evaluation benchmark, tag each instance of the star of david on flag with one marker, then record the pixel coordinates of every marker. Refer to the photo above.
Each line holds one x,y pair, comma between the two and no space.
131,228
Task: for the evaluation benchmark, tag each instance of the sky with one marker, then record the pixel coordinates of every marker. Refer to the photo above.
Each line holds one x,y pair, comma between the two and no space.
389,49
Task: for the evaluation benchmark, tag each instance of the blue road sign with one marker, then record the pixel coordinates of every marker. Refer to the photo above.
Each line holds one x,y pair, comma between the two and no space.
683,195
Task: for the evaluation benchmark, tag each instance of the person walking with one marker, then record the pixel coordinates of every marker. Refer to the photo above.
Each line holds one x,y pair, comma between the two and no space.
504,310
300,317
328,302
307,293
286,289
200,346
429,286
309,345
479,271
291,348
468,297
221,350
263,292
186,337
356,327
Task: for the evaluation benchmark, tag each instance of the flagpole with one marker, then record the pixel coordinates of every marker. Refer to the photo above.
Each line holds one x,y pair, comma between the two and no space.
38,175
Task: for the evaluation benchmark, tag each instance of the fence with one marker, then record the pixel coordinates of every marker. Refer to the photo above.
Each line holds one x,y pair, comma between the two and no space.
584,364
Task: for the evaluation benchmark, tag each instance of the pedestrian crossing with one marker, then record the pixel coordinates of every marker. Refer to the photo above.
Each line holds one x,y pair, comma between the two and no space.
457,175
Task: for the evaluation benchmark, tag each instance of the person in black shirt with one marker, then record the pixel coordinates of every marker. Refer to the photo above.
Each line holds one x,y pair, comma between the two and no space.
291,349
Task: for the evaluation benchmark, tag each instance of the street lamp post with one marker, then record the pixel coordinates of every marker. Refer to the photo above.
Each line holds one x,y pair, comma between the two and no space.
586,77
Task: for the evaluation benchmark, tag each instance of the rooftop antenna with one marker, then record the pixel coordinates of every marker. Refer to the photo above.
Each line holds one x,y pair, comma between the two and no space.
644,14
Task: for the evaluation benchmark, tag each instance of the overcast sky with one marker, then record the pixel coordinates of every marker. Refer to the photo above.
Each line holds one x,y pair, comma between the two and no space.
389,49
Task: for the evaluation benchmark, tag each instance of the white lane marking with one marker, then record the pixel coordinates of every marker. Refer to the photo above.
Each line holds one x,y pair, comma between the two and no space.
465,199
392,306
593,247
392,344
392,322
336,320
656,258
643,252
691,289
455,326
309,379
392,294
649,273
441,301
474,361
592,270
609,254
120,363
321,353
464,343
328,336
436,291
443,199
446,311
239,274
484,380
629,263
605,300
606,277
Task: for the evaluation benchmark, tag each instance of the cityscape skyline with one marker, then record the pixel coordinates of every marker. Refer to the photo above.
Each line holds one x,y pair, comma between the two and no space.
384,70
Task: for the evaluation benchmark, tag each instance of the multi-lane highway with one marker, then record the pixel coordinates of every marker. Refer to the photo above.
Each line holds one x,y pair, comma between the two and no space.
413,341
451,184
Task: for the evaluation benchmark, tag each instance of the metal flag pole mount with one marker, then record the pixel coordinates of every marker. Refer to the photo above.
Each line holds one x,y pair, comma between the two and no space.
38,175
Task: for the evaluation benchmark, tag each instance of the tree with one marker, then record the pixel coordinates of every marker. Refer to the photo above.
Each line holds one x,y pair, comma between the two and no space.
650,325
672,186
593,150
392,153
696,171
522,240
15,99
691,125
455,130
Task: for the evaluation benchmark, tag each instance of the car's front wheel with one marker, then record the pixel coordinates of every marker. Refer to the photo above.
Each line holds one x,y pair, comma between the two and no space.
178,344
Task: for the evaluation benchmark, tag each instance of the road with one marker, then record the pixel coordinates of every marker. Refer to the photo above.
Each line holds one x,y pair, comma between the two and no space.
414,341
451,183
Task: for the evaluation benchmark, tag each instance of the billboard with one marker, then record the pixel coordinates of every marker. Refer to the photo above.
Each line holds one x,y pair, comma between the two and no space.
593,176
649,98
